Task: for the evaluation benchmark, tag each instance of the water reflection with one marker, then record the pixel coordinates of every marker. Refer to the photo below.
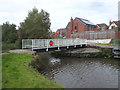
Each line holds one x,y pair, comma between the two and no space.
83,73
54,61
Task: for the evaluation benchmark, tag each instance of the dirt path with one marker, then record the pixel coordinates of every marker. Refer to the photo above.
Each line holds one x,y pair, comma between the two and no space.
3,53
20,51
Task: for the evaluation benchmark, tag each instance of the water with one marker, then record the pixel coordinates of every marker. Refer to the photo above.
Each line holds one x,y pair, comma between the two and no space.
83,73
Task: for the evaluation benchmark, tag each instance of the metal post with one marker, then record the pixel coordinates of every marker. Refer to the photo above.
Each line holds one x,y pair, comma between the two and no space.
81,45
67,47
75,46
86,42
58,44
32,45
22,44
114,42
114,39
47,45
80,42
73,42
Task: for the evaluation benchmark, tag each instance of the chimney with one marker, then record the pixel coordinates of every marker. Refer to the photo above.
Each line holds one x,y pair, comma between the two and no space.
110,22
71,19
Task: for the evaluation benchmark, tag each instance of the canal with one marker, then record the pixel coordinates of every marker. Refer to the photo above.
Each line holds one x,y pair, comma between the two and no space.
83,72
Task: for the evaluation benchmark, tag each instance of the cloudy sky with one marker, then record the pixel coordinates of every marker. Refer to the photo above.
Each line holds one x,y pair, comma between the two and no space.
97,11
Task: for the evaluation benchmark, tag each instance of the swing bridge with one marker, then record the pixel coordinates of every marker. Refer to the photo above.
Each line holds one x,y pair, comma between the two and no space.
56,44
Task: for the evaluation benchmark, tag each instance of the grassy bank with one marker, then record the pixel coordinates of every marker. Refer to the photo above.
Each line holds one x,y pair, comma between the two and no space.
17,73
117,42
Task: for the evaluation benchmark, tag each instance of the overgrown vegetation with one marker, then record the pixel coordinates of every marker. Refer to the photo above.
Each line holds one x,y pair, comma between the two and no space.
9,36
7,46
17,73
41,61
5,51
107,53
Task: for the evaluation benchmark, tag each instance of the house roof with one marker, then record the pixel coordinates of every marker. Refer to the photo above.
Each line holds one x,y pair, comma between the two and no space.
87,22
62,28
67,25
117,23
102,25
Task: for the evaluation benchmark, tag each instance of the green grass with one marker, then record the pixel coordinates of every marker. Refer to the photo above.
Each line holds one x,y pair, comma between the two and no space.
17,73
5,51
117,42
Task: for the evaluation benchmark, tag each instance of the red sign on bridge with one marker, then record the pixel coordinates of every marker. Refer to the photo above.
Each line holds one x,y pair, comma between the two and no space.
51,43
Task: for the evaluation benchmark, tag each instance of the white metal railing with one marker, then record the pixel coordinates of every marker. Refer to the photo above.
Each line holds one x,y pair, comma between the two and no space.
49,43
108,34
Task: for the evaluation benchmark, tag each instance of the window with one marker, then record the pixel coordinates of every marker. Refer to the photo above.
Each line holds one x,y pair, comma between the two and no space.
88,27
103,28
75,27
91,27
94,27
113,27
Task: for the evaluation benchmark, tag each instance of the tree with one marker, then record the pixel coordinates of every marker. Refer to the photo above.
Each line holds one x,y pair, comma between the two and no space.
36,25
9,33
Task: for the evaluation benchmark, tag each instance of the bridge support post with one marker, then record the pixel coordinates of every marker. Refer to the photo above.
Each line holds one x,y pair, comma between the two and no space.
58,45
86,42
75,46
32,45
67,47
22,44
47,49
81,45
47,45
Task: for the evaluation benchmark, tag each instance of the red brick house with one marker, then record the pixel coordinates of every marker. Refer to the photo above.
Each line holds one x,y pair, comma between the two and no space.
61,32
56,34
53,35
102,27
79,25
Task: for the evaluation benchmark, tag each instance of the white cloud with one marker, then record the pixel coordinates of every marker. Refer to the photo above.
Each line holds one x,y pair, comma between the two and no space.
60,11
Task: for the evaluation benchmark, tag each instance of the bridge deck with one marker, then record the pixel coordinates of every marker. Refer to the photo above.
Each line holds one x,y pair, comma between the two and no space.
35,44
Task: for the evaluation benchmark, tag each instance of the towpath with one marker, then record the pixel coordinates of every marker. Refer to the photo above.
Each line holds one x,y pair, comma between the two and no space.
20,51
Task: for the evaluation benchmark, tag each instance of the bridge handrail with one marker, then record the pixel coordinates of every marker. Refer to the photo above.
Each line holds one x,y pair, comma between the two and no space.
45,43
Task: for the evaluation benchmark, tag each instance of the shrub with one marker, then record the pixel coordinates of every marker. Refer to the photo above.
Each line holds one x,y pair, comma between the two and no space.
15,45
7,46
41,61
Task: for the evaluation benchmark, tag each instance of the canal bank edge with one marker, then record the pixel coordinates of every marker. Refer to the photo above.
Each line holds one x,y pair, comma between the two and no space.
16,68
101,53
